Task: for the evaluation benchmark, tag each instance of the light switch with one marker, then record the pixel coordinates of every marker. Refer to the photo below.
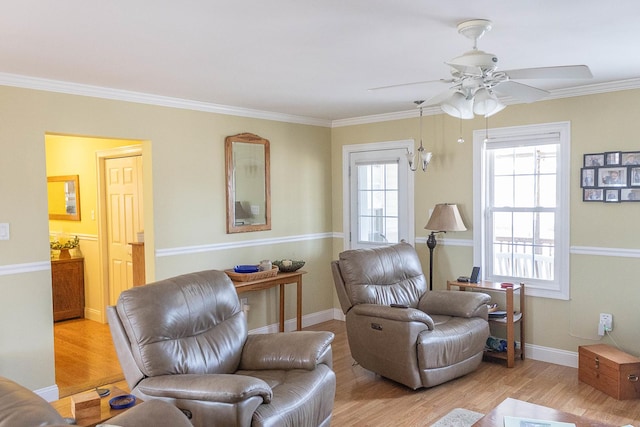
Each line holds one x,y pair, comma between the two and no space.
4,231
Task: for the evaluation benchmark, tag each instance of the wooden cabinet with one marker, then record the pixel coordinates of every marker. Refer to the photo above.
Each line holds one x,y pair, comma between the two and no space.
67,281
509,321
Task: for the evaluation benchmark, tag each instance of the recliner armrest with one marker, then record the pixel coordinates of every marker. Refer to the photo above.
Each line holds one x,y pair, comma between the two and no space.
455,303
285,350
394,313
225,388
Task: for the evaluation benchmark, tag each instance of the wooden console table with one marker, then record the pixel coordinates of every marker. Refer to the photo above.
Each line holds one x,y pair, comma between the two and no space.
280,279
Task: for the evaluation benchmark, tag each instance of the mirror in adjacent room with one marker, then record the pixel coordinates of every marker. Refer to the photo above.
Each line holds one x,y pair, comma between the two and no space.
248,183
64,197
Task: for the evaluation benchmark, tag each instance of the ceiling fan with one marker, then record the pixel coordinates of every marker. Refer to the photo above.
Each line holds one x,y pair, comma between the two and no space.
475,79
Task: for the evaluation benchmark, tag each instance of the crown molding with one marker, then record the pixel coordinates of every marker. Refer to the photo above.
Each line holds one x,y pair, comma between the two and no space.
58,86
70,88
591,89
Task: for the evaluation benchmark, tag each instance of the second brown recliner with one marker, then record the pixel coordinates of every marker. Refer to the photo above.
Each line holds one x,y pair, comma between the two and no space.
439,336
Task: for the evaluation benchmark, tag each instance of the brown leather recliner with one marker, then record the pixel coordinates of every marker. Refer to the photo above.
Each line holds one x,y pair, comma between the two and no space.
439,336
184,340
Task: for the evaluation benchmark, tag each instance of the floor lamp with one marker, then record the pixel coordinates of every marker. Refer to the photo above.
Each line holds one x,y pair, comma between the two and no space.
445,217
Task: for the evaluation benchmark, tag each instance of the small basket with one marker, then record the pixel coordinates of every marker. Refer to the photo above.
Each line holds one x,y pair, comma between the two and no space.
248,277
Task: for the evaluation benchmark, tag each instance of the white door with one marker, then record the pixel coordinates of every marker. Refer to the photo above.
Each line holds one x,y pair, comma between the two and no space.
380,198
124,219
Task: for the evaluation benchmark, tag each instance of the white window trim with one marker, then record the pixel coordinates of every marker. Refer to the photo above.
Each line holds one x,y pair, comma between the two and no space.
562,291
409,144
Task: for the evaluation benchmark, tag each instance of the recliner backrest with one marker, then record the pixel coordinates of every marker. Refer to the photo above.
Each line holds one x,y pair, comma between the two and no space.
383,275
189,324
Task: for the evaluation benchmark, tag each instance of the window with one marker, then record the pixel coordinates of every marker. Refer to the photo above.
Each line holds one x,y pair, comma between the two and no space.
377,207
522,206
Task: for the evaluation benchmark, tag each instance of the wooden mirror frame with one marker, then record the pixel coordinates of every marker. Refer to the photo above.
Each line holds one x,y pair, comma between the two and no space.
233,226
76,187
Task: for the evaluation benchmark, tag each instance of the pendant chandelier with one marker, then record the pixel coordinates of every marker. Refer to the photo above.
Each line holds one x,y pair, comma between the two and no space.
424,156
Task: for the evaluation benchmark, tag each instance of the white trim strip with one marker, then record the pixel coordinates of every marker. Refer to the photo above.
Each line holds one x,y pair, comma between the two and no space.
185,250
615,252
30,267
7,270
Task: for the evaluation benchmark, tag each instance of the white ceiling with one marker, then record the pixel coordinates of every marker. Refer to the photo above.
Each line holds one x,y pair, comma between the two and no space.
309,58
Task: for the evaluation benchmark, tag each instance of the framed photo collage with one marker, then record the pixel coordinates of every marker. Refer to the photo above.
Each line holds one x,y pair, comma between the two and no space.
611,177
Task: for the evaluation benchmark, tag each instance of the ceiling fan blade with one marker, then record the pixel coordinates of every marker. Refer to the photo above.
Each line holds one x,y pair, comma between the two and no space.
521,91
410,84
560,72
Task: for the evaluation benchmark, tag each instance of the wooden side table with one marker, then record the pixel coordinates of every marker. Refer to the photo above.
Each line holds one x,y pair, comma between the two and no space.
63,406
509,321
280,279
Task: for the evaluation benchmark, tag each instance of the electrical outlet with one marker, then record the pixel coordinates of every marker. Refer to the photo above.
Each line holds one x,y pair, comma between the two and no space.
605,324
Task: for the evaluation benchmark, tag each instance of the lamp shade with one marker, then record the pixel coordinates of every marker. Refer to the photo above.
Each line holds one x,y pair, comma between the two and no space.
445,217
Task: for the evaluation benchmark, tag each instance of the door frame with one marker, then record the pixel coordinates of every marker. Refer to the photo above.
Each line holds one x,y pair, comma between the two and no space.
347,150
103,244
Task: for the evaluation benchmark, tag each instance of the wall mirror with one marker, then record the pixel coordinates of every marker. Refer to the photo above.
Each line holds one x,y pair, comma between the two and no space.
64,197
248,183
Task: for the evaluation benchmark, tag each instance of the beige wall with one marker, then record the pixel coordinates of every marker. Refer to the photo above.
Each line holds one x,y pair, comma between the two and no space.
185,151
599,283
184,161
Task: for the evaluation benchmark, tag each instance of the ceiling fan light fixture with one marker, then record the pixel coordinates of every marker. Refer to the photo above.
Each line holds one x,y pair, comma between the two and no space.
484,102
499,107
457,105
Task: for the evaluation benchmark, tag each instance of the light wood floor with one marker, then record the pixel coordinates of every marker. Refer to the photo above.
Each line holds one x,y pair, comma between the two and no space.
85,356
365,399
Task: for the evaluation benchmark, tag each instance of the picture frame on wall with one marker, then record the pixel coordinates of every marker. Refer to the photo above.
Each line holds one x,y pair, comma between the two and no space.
634,177
612,177
612,195
612,158
631,158
588,177
593,160
592,195
630,195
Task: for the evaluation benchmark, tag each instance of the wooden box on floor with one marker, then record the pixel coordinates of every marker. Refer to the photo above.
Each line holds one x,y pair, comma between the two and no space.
85,405
609,370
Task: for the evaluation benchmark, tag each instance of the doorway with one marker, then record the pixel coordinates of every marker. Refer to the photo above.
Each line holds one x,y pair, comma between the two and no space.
86,157
377,194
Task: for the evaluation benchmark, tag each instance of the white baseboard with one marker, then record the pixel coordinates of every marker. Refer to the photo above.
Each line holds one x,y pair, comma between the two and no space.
535,352
93,314
291,324
551,355
49,394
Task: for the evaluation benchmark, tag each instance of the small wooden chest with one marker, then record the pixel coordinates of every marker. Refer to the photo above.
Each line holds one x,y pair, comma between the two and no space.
609,370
